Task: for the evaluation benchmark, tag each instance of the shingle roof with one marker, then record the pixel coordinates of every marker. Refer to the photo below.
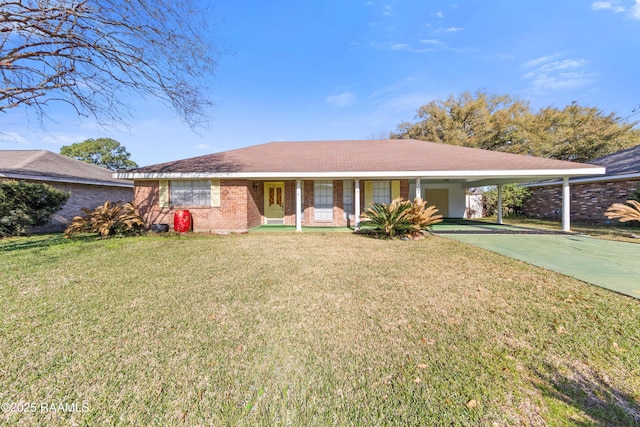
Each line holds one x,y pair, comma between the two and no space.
47,166
355,156
623,162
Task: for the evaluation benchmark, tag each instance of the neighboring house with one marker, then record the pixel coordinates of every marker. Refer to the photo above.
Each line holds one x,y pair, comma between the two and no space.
473,203
326,183
89,185
591,196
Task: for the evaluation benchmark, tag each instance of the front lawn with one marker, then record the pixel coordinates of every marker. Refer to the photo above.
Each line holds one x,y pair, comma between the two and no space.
312,329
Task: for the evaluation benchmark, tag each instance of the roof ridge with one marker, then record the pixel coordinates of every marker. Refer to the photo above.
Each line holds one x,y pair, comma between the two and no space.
39,153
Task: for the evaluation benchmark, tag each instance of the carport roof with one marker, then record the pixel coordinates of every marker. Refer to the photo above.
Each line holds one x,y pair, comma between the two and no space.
397,158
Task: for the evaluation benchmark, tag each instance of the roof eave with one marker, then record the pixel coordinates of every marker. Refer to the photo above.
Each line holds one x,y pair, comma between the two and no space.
457,174
66,180
621,177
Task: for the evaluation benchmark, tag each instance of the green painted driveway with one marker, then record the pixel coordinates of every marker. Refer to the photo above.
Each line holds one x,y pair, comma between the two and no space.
609,264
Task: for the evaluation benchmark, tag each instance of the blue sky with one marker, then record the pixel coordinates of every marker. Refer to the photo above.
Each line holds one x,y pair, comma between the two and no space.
352,69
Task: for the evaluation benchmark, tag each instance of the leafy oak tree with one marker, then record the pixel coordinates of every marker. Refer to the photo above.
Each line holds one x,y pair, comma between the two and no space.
103,152
91,54
503,123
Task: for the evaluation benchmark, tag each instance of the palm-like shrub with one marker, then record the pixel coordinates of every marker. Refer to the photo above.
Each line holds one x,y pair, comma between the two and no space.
107,220
624,213
390,220
423,216
399,218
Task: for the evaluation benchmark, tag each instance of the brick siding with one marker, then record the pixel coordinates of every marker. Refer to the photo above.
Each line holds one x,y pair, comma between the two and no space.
589,201
235,213
242,205
82,196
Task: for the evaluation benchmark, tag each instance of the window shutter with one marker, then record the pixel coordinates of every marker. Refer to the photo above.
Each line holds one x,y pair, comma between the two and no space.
215,193
368,194
163,197
395,189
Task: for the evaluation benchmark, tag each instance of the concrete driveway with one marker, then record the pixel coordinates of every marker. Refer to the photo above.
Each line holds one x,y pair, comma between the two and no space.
609,264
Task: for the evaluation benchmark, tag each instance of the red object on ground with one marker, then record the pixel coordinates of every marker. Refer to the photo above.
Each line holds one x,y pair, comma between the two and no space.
182,221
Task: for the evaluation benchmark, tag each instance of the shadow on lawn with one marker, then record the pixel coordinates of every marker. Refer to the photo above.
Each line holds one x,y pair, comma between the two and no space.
590,394
38,242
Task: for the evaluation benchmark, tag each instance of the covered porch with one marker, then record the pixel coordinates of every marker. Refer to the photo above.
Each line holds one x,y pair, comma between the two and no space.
446,193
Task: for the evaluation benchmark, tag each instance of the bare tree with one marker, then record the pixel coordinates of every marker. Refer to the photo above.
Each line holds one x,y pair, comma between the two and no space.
92,54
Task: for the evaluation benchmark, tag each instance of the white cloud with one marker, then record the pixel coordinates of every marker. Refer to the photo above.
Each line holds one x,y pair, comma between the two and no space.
431,42
387,10
635,10
607,5
13,137
402,47
389,46
554,73
398,101
438,15
341,100
447,30
539,61
616,7
203,146
63,139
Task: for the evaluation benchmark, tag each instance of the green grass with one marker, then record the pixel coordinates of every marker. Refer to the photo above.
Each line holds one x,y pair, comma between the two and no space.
305,229
308,330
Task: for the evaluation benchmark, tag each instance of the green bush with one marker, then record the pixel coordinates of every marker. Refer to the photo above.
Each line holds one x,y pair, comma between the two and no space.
110,219
513,197
399,218
27,204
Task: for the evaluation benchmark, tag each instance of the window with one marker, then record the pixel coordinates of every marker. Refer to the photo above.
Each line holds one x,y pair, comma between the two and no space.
381,191
190,192
347,198
323,200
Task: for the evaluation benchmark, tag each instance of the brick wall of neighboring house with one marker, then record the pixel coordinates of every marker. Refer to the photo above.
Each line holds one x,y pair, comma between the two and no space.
589,201
82,196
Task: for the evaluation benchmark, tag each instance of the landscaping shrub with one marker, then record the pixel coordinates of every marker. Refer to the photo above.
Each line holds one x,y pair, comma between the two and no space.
117,219
624,213
27,204
399,218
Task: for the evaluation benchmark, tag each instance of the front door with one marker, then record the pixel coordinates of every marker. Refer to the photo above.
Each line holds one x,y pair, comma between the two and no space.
274,202
438,197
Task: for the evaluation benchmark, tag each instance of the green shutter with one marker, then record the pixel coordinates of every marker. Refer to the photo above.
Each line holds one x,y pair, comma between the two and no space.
395,189
368,194
163,197
215,193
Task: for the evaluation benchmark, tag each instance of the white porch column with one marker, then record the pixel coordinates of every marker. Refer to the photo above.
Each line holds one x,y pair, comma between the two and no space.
566,205
418,189
499,204
298,205
357,203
